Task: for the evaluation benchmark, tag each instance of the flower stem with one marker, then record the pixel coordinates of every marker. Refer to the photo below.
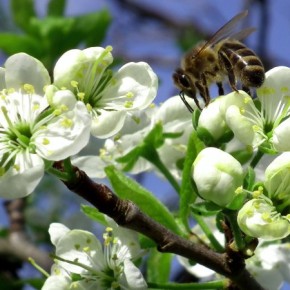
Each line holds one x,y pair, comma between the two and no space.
256,159
238,236
154,158
208,232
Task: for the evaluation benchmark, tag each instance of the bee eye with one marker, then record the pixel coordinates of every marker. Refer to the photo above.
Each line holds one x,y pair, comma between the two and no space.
184,81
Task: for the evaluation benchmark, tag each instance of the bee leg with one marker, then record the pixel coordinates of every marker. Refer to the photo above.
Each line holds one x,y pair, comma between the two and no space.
229,68
182,97
220,88
203,89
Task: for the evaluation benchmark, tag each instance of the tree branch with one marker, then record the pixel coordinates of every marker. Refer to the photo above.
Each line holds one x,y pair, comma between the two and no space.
128,215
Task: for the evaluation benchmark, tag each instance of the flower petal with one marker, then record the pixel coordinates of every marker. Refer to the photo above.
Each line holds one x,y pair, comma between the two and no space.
22,68
107,123
21,179
134,87
66,135
56,232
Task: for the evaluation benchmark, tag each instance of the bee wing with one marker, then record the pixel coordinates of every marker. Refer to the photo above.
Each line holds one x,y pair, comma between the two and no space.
243,33
228,30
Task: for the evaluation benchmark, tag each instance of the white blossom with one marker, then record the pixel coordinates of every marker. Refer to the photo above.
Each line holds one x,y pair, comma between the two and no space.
109,97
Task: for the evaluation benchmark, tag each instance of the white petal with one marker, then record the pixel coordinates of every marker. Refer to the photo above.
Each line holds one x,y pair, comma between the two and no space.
59,282
281,136
64,141
274,88
56,232
82,246
92,165
133,276
135,87
72,65
240,125
21,182
108,123
22,68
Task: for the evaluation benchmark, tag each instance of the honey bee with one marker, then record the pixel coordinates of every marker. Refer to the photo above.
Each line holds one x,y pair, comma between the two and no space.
223,55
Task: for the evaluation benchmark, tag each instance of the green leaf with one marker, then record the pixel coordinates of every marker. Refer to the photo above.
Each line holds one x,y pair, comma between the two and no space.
155,137
94,214
161,273
56,7
205,208
92,28
22,12
187,193
127,188
13,43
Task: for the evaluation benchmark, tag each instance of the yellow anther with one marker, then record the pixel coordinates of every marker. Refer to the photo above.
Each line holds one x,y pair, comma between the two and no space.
35,107
74,84
81,96
57,112
284,89
89,107
239,190
256,128
45,141
66,123
128,104
247,100
129,95
29,89
16,167
249,213
266,217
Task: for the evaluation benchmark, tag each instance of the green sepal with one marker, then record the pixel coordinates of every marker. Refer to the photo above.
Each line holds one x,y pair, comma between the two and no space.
188,191
249,180
238,201
204,135
243,156
205,208
195,117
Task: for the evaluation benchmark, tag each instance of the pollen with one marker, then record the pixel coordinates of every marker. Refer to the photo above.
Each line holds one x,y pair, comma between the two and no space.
29,89
266,91
66,123
249,213
45,141
35,107
247,100
242,110
284,89
16,167
81,96
266,217
129,95
256,128
89,107
86,249
239,190
74,84
128,104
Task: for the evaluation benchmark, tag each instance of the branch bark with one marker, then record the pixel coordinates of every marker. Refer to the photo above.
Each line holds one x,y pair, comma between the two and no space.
128,215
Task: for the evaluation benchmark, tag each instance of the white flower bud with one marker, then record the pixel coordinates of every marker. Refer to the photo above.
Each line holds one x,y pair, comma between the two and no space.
217,175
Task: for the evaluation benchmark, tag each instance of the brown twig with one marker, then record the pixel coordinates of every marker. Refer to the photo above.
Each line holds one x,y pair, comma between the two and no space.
18,244
128,215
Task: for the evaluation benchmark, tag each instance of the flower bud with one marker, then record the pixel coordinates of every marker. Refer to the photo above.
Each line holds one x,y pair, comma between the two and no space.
258,218
217,175
211,124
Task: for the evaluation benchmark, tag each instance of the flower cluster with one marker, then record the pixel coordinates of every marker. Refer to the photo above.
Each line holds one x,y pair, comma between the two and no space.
82,263
42,122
